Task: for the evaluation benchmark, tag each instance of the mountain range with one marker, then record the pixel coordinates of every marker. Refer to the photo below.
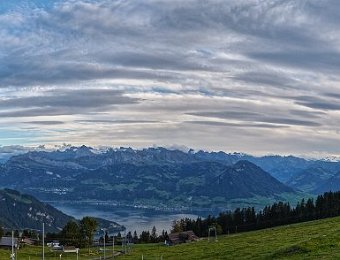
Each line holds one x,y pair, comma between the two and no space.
162,177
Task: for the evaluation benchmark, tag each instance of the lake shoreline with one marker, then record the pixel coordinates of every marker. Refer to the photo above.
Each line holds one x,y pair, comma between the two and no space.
133,218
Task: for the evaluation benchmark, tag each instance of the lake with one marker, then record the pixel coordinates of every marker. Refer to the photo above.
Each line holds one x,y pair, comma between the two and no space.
138,219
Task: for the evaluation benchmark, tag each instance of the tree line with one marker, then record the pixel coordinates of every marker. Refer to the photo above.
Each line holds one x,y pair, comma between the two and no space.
247,219
81,234
143,238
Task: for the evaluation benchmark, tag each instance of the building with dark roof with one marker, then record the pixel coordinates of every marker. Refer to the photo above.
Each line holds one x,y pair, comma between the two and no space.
6,242
182,237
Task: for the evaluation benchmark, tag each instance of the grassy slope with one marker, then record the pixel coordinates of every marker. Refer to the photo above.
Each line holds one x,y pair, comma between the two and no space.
35,253
316,240
311,240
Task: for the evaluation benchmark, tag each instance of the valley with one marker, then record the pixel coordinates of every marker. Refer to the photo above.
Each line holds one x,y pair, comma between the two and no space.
154,186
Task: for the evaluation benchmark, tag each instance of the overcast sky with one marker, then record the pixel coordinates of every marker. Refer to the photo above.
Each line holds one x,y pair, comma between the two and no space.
255,76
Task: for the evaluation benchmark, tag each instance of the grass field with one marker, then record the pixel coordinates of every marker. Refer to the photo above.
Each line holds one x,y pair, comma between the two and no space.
311,240
35,253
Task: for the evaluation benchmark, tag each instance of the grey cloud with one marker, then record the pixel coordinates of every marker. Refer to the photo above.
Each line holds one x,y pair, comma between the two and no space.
157,60
13,149
99,37
290,121
278,23
320,61
307,114
329,11
268,79
243,93
320,105
83,98
256,117
219,123
64,102
36,112
317,103
44,122
332,95
45,71
228,114
257,63
107,121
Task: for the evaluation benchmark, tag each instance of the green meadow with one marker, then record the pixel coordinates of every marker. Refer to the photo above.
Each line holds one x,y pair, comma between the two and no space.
310,240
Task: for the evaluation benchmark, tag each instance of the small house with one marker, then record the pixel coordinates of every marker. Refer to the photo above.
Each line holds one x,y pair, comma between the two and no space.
182,237
28,241
6,242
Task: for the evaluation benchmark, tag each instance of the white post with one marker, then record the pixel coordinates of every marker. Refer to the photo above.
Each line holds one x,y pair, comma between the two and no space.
125,241
113,245
104,245
12,255
43,242
104,229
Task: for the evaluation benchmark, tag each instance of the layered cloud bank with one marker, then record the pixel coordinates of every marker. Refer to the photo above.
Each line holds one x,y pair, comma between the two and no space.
252,76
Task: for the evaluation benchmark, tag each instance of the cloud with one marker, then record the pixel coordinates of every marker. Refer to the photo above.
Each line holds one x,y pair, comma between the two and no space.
107,121
219,123
44,122
256,117
157,72
318,103
64,102
315,60
274,80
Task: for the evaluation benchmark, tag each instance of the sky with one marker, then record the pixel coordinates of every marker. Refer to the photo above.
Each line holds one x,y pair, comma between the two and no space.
255,76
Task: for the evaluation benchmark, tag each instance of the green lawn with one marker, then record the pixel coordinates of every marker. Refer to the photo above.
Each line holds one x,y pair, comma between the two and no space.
311,240
35,253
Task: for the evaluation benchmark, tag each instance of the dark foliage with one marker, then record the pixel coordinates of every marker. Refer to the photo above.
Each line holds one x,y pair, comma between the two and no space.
246,219
74,233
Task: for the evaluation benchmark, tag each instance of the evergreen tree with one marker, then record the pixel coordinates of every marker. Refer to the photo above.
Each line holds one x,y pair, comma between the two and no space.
153,236
176,226
145,237
279,213
70,234
135,237
88,226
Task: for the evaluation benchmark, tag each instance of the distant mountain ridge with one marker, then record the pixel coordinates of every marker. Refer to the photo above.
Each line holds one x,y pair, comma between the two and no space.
160,176
281,167
153,176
